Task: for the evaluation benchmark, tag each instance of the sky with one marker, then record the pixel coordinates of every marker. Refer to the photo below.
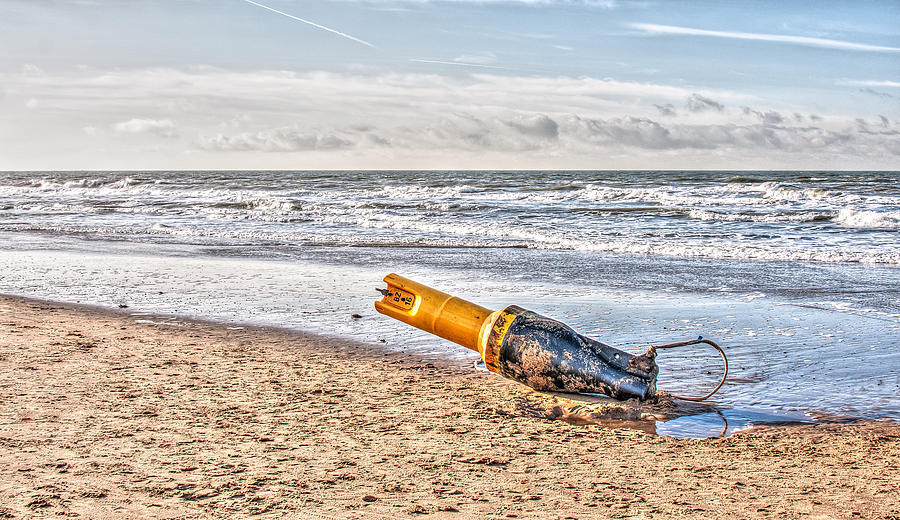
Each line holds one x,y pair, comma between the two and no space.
449,84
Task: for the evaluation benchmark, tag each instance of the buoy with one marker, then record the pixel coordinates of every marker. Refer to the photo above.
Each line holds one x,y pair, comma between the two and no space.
522,345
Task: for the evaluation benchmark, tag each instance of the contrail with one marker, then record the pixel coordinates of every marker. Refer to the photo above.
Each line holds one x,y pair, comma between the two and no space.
459,64
314,24
800,40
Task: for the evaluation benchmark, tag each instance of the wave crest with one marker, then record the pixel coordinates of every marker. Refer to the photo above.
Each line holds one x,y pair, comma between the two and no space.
868,219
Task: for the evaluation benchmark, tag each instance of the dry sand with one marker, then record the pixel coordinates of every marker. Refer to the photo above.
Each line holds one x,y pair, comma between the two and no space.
102,416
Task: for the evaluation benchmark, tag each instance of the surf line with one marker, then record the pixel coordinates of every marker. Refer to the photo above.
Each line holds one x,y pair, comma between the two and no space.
314,24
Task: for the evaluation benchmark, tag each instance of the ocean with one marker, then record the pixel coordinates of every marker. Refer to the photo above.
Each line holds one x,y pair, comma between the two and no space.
795,274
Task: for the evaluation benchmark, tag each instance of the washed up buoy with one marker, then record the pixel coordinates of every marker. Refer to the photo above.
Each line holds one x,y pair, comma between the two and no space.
524,346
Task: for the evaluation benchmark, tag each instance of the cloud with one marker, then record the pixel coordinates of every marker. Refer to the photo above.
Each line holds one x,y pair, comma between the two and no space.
867,84
667,110
645,133
770,117
291,139
352,119
883,95
872,83
569,134
31,69
485,58
880,127
656,29
470,132
209,92
634,132
698,103
163,127
539,125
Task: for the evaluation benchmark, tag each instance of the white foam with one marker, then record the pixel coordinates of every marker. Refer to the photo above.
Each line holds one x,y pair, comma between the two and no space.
734,220
868,219
780,192
775,217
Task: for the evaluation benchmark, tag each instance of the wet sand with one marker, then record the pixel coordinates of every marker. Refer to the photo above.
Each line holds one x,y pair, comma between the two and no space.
108,415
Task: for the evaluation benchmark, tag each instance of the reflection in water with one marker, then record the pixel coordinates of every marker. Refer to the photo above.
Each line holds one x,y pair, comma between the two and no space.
666,416
722,423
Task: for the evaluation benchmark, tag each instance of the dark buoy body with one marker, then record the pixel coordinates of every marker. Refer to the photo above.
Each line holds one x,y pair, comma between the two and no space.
548,355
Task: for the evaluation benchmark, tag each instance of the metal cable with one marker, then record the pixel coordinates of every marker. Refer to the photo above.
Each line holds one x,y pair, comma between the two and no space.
654,348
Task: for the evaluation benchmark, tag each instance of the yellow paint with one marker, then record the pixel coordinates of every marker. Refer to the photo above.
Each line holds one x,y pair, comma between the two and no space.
492,335
449,317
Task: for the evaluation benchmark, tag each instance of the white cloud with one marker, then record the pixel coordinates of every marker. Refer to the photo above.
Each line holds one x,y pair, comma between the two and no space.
698,103
485,58
570,134
872,83
31,69
164,127
32,103
430,120
779,38
667,110
275,140
769,117
213,93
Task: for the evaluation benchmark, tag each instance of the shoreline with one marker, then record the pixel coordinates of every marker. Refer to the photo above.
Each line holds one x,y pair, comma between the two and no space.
320,294
103,416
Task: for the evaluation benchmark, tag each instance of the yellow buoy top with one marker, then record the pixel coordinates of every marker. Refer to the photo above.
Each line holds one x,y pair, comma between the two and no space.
449,317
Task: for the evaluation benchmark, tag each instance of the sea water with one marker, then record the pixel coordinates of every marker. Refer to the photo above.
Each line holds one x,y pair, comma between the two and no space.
796,274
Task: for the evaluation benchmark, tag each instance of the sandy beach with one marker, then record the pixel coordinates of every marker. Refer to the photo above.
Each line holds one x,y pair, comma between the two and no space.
108,415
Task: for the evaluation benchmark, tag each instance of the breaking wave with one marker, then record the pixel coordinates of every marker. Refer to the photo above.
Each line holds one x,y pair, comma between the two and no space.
868,219
827,217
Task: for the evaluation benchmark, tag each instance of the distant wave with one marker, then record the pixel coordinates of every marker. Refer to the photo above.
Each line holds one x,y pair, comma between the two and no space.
821,217
738,194
506,238
741,179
